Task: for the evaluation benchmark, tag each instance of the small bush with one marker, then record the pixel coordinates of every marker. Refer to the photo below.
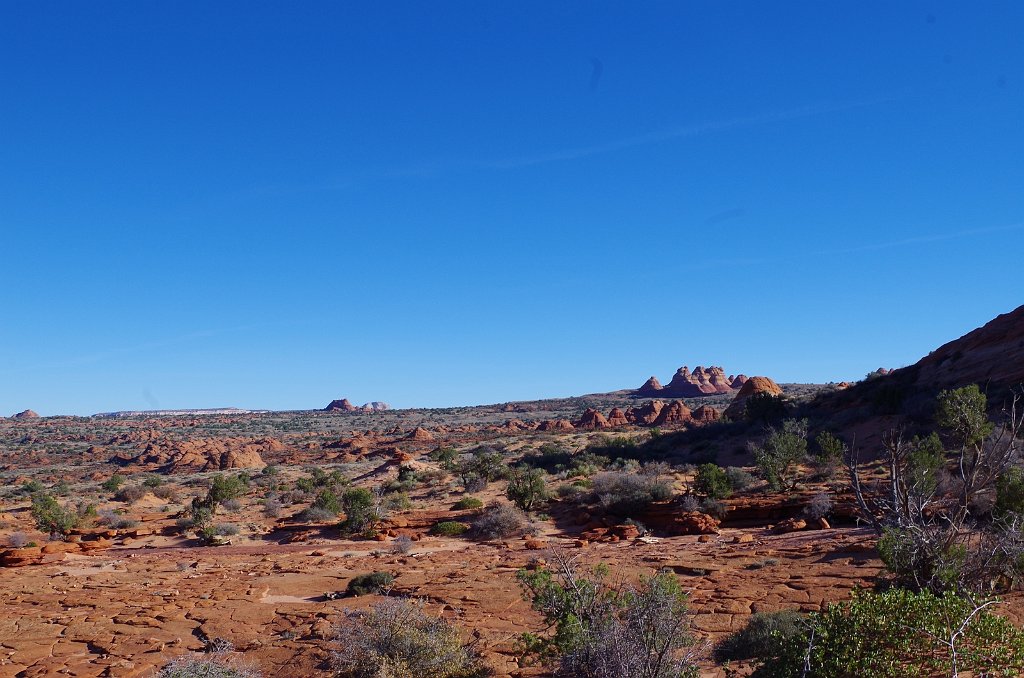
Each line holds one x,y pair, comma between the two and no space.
206,667
500,521
819,506
271,508
712,482
628,494
113,483
402,545
398,639
714,508
131,494
18,540
115,520
467,503
318,515
526,488
690,503
51,517
166,492
152,482
361,510
366,584
761,635
449,528
739,479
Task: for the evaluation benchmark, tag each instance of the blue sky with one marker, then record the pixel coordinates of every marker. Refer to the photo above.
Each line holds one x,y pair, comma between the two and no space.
273,205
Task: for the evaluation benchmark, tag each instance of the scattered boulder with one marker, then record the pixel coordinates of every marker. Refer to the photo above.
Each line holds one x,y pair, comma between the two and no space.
695,522
790,525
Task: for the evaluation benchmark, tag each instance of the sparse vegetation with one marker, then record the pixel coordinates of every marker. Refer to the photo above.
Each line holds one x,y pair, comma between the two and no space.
396,638
500,521
366,584
599,630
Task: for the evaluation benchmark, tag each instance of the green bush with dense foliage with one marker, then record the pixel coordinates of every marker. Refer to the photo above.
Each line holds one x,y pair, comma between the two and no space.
897,634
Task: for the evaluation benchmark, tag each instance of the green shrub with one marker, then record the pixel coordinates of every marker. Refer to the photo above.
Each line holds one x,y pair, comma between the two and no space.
739,479
398,639
361,510
327,502
500,521
224,488
1009,493
466,503
762,634
780,454
526,488
365,584
629,494
897,634
51,517
449,528
113,483
607,632
712,482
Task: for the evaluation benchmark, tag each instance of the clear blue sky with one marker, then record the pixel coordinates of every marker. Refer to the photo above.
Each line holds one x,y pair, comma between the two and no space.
261,204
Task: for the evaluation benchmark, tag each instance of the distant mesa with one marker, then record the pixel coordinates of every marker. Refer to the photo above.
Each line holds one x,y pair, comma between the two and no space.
26,414
344,405
702,381
228,411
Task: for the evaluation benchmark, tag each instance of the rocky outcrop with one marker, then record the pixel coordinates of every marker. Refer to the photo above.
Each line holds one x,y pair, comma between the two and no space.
685,384
617,417
420,434
25,414
675,413
753,386
556,425
344,405
645,415
203,454
592,419
705,414
738,381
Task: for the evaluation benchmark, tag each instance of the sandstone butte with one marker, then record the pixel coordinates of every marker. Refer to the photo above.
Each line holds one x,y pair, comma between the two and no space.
685,384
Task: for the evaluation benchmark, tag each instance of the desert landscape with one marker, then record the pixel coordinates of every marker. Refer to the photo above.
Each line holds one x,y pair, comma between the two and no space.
134,538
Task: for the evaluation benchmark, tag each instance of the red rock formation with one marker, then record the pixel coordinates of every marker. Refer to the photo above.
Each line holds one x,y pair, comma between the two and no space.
421,434
342,405
25,414
752,386
685,384
556,425
592,419
738,381
645,415
204,454
651,387
705,414
617,417
675,414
